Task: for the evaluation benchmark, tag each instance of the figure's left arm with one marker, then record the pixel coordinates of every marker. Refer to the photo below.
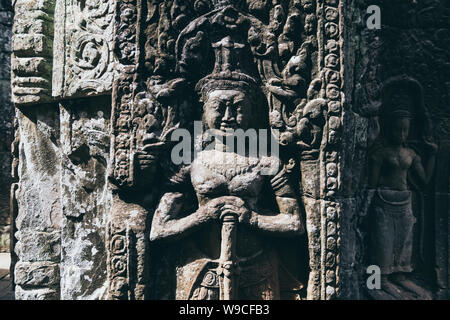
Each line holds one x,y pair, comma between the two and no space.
425,174
288,221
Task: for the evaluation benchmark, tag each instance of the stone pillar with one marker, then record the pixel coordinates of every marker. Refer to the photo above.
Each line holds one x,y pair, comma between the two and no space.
62,147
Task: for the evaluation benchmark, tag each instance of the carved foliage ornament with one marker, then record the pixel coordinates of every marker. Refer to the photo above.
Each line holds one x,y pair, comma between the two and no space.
88,28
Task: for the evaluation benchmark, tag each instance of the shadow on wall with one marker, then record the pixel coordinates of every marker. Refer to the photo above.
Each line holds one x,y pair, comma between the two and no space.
6,122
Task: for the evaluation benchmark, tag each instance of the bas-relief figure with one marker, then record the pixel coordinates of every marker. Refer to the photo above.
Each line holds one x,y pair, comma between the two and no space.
393,164
227,217
224,227
230,256
407,56
227,223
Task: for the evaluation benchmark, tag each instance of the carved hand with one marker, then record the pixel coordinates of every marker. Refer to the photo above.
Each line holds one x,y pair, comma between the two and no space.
432,147
219,207
148,154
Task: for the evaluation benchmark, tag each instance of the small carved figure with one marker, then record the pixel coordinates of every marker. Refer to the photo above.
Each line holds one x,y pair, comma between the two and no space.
310,127
310,25
294,76
286,42
392,220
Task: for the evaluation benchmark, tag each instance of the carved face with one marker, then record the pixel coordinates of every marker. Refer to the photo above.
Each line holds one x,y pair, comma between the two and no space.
399,130
314,113
227,110
290,25
307,4
310,24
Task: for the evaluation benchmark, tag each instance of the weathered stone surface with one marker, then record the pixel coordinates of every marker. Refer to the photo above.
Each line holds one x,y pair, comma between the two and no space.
32,41
36,294
109,206
6,123
400,90
37,195
35,246
86,201
39,274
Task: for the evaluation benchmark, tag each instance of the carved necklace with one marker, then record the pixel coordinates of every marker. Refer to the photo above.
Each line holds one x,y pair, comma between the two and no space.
227,164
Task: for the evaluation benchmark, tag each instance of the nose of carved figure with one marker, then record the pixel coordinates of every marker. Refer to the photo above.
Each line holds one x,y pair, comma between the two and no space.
228,118
404,135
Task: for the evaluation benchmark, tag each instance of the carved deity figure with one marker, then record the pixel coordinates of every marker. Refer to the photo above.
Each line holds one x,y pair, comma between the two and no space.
226,252
221,227
392,220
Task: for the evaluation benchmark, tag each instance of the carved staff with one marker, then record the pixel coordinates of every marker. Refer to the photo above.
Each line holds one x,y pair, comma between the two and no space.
227,257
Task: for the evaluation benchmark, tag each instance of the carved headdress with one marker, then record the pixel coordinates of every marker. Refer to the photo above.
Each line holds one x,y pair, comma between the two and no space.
402,98
224,81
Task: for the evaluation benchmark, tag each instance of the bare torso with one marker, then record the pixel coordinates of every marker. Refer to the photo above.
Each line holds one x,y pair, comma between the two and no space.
215,174
394,168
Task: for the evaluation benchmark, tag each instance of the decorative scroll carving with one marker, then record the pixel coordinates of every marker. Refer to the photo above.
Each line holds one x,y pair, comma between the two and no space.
123,94
118,268
121,167
32,48
88,36
332,84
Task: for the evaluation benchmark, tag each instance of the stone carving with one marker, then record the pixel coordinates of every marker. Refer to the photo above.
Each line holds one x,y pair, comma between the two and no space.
247,267
118,262
330,163
37,238
300,221
13,209
32,47
290,223
408,46
88,63
392,160
247,48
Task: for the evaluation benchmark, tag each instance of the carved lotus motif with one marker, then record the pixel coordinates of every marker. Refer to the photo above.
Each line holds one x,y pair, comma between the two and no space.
118,244
119,265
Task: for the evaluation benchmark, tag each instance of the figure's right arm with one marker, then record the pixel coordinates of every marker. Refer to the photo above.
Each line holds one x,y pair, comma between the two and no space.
167,225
